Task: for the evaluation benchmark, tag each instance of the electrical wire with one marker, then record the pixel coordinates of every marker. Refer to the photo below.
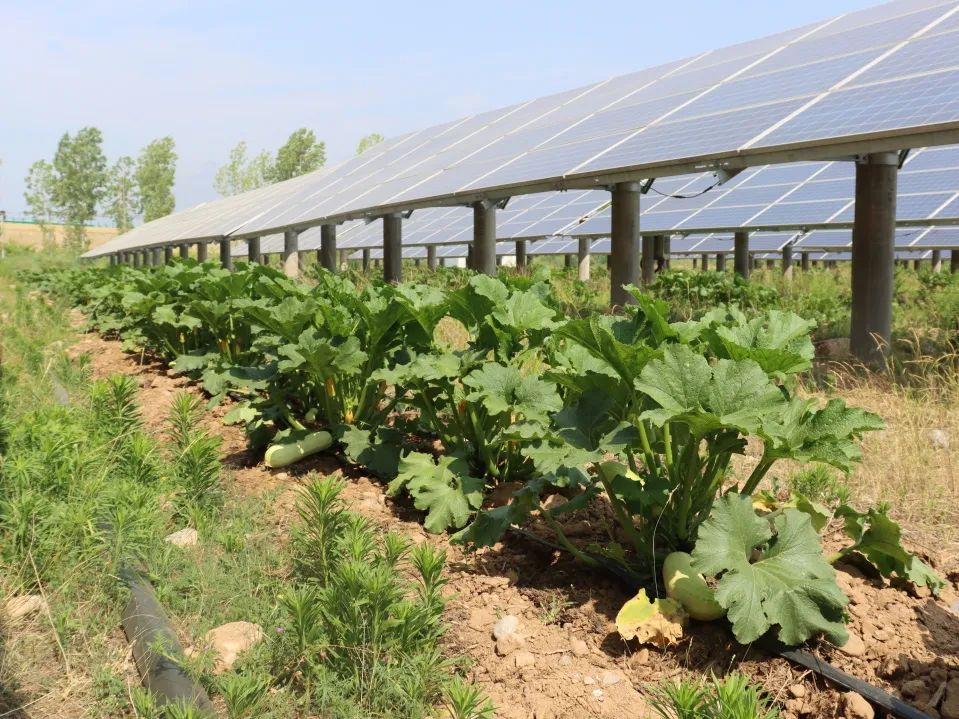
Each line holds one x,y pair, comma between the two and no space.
684,197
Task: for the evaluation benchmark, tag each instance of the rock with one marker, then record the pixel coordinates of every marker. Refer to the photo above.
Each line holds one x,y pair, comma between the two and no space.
639,659
24,606
797,691
598,693
555,500
881,635
186,537
230,640
856,707
588,680
506,626
608,679
565,660
939,439
509,644
579,648
949,709
524,659
835,348
855,647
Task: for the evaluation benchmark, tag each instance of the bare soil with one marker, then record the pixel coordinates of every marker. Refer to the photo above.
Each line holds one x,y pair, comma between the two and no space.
572,663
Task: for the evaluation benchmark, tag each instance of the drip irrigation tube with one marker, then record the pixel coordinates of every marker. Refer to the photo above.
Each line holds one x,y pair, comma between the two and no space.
874,695
156,650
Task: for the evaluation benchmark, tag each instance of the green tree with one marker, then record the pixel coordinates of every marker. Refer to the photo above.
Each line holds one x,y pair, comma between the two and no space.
122,198
39,197
301,154
240,174
81,178
367,142
155,175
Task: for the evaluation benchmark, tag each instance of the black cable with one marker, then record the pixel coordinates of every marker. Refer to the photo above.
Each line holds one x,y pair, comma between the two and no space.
684,197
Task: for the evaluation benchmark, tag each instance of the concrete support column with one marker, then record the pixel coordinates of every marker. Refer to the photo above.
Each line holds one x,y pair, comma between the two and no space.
937,261
568,261
695,263
624,241
648,259
583,258
469,256
393,248
788,262
157,253
137,259
804,261
113,260
201,251
667,252
416,262
167,254
755,263
253,251
484,237
147,258
327,255
366,259
873,251
431,257
770,264
954,260
815,263
917,265
704,260
291,253
226,254
184,250
659,252
720,262
741,254
521,254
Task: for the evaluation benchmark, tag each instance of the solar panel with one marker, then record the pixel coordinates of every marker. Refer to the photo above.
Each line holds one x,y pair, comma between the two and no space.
885,71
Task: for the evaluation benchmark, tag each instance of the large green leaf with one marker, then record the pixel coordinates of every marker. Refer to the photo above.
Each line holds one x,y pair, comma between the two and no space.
778,341
442,487
503,389
789,584
877,537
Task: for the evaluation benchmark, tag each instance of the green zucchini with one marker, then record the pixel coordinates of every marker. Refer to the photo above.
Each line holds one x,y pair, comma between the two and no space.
286,452
689,588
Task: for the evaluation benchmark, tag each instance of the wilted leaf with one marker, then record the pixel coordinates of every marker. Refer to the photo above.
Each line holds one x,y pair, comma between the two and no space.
658,622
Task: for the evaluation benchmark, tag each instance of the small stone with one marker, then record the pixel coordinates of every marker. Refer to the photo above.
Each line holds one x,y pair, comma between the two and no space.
588,680
797,691
554,500
949,709
186,537
565,660
506,626
24,606
524,659
855,647
881,635
598,693
509,644
230,640
639,659
282,476
579,648
608,679
939,439
856,707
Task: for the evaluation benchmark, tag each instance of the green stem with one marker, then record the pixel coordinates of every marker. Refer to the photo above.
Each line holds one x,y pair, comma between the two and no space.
561,536
756,477
622,516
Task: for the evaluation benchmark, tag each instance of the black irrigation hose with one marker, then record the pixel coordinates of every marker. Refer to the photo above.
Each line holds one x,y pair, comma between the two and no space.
156,650
882,699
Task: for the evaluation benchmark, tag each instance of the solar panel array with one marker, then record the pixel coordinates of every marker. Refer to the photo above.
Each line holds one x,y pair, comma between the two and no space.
881,76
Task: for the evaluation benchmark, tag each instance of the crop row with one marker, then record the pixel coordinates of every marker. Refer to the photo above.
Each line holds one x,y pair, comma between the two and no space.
451,395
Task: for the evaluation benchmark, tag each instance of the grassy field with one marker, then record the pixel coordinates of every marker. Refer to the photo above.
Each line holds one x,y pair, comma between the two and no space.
26,234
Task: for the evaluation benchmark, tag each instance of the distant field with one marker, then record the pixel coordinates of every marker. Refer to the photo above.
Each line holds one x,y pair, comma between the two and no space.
25,233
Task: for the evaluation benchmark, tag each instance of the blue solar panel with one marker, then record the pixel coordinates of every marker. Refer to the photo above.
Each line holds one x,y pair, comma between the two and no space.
921,55
902,103
797,213
939,237
930,181
825,190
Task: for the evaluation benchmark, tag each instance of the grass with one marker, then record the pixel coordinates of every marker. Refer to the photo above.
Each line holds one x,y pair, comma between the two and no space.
85,488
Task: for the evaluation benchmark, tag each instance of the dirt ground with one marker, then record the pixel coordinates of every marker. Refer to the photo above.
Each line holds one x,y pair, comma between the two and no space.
570,662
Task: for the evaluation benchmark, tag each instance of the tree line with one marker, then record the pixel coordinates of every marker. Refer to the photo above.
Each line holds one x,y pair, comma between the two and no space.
302,153
79,181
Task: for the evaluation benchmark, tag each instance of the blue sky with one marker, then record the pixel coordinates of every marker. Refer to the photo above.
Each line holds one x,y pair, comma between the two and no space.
213,73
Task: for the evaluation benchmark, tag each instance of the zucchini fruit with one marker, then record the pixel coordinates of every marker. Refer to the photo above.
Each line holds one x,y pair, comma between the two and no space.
288,451
688,587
